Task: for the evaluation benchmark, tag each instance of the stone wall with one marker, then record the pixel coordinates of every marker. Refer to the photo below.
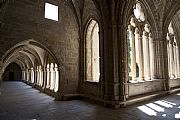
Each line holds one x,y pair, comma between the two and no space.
92,89
145,87
173,83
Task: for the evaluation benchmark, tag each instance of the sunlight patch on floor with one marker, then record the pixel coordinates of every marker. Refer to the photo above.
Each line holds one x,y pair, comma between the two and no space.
158,108
164,104
147,110
155,107
177,116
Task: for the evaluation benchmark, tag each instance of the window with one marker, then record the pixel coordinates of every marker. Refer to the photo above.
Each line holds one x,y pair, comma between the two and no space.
139,42
138,12
52,77
173,54
92,52
51,11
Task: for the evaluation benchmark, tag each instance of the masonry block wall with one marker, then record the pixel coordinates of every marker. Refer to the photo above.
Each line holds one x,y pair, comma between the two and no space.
87,88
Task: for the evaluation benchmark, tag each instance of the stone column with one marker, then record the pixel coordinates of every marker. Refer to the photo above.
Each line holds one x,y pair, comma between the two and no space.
22,76
133,47
49,81
175,59
170,60
56,79
171,55
52,78
41,76
178,61
151,55
44,74
48,77
59,92
27,74
35,76
168,53
140,54
32,75
146,55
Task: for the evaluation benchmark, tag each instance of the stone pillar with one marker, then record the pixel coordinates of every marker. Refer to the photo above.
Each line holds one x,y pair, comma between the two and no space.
146,55
27,74
41,76
32,75
133,57
35,75
22,76
52,78
49,78
140,54
151,55
59,94
178,61
169,61
44,74
171,49
56,79
175,60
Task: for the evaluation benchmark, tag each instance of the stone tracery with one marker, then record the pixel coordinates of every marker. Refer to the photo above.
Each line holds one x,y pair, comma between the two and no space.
140,40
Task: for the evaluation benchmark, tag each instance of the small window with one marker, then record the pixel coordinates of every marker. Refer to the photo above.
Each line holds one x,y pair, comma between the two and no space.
51,11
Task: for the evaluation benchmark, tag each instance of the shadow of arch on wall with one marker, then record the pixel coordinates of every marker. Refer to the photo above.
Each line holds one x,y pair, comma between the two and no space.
39,66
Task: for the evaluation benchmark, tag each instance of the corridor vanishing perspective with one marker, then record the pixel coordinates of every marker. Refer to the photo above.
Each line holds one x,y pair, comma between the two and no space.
115,53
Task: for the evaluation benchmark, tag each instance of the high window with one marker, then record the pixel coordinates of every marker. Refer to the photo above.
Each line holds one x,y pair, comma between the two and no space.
51,11
92,65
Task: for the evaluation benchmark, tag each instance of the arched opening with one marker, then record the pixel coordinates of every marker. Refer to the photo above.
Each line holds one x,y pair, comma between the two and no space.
92,52
37,66
12,72
139,42
173,53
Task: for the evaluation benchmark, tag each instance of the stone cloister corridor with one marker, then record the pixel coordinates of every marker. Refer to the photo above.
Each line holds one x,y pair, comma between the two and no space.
21,102
89,59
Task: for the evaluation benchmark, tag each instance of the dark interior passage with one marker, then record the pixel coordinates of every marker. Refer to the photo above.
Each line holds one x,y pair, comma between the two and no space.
12,73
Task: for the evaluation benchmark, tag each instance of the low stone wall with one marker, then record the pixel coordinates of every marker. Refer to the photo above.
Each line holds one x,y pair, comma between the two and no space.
173,83
145,87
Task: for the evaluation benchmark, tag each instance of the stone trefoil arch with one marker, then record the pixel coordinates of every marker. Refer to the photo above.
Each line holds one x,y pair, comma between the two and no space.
140,53
173,54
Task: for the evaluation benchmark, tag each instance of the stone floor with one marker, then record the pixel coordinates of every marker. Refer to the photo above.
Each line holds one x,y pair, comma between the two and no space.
19,101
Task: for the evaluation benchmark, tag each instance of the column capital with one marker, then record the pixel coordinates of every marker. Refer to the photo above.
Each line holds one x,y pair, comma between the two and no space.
170,37
146,28
174,43
133,22
136,30
150,35
145,33
131,28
